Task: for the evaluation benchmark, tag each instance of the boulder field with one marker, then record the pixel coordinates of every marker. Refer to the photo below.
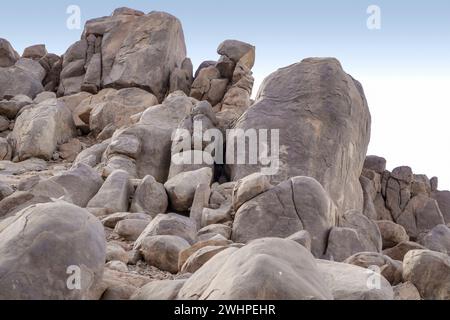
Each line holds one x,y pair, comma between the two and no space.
126,174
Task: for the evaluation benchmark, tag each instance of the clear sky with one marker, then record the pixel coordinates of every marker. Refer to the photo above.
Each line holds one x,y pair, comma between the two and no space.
404,66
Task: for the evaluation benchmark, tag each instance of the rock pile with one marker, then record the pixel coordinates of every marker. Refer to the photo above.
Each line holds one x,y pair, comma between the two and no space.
93,204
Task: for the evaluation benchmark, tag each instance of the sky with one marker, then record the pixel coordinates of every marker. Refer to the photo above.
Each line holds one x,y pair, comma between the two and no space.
404,66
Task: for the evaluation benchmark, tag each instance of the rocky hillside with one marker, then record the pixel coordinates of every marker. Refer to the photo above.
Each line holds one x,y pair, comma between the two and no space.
95,203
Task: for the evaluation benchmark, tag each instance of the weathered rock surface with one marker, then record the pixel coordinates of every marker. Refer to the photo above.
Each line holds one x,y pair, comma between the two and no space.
163,251
389,269
181,188
114,194
169,225
55,240
265,269
317,131
294,205
348,282
430,272
150,197
40,129
438,239
136,51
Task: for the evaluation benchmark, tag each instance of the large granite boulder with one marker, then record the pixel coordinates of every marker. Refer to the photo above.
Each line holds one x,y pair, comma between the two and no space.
265,269
8,56
127,49
324,124
51,251
154,133
297,204
40,129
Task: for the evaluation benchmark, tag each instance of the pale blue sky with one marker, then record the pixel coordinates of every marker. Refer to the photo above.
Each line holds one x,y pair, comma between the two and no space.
404,67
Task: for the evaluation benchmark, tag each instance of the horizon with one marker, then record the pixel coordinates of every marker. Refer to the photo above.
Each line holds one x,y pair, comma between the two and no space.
403,67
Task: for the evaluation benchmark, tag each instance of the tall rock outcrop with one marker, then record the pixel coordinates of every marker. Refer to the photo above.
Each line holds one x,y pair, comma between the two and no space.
127,49
324,127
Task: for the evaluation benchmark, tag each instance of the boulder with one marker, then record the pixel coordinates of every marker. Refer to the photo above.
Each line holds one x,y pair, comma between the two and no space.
8,56
187,253
200,257
377,164
131,229
443,200
421,215
181,188
343,243
399,251
150,197
137,50
31,67
392,233
112,220
117,108
430,272
235,50
302,237
70,150
437,239
163,251
390,269
248,188
157,124
40,129
169,225
152,48
368,231
35,52
115,252
41,97
200,202
5,150
10,108
215,229
294,205
159,290
322,135
78,249
66,185
406,291
19,81
348,282
265,269
114,195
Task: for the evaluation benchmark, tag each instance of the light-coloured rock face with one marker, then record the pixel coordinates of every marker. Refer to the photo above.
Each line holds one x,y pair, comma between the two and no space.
159,290
38,130
392,233
438,239
15,81
44,246
66,185
125,50
266,269
430,272
8,56
169,225
150,197
181,188
294,205
163,251
114,194
154,133
389,268
324,124
118,107
348,282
